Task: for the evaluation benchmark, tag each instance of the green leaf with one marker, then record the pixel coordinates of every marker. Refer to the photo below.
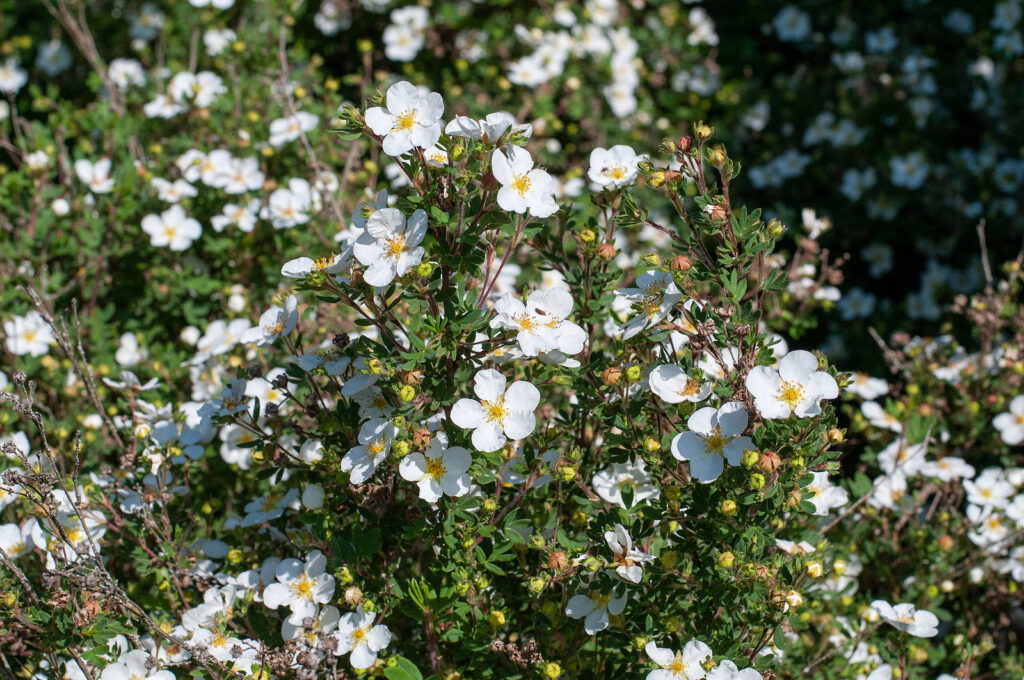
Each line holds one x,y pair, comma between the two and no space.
402,670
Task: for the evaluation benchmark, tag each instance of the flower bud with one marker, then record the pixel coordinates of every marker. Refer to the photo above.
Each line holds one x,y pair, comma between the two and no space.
353,596
728,508
776,228
142,430
945,542
815,570
835,435
375,366
612,375
672,493
651,444
839,567
669,559
400,448
757,481
606,251
567,473
684,143
536,585
552,671
343,575
407,393
424,269
588,235
369,606
680,263
703,131
656,179
496,618
717,156
794,598
634,373
726,560
421,438
462,587
558,561
750,458
652,260
769,461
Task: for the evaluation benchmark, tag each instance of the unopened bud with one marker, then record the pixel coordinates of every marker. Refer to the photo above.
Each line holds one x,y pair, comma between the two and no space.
401,448
835,435
558,561
703,131
606,251
496,618
407,393
815,570
757,481
552,671
680,263
612,375
652,260
588,235
651,444
726,560
750,458
728,508
769,461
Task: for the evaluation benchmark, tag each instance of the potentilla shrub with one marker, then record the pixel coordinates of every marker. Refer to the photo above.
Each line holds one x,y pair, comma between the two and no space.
512,457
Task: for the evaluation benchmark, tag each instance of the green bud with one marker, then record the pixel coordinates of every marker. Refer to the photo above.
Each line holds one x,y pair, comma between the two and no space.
757,481
400,448
634,373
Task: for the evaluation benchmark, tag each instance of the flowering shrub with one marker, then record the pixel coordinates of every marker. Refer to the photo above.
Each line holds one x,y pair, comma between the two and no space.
490,370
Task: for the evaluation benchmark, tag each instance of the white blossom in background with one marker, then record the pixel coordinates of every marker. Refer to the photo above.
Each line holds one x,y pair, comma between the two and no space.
907,618
714,437
595,610
1011,423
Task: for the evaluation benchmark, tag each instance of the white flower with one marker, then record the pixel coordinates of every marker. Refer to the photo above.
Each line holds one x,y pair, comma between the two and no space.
628,560
614,167
523,187
134,665
796,388
17,541
655,294
685,665
673,385
128,351
439,470
390,246
867,387
288,206
727,670
301,267
541,322
375,437
409,121
172,228
905,617
274,323
290,128
242,216
824,495
172,192
199,88
499,412
792,24
12,76
1011,423
595,609
489,130
300,586
714,437
608,483
95,175
899,455
29,334
948,468
358,637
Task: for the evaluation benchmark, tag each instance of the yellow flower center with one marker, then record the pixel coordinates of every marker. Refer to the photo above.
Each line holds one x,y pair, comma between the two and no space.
616,173
526,323
302,587
495,411
1019,419
395,246
322,263
691,388
677,664
376,446
359,635
521,183
436,468
715,441
791,393
404,121
30,336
